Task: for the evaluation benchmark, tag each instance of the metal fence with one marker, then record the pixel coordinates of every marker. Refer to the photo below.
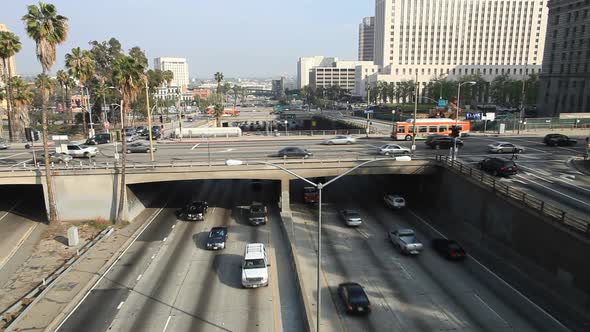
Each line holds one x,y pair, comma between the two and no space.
573,222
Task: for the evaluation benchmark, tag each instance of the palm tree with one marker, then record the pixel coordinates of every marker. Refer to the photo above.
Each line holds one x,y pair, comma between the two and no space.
167,76
22,96
218,113
47,29
9,46
44,84
218,77
236,90
82,67
62,78
129,76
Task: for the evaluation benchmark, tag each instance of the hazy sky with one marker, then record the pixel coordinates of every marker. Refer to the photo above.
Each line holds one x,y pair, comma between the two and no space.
240,38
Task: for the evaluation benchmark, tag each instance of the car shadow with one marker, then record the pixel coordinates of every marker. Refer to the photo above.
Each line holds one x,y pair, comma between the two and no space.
240,215
200,240
229,269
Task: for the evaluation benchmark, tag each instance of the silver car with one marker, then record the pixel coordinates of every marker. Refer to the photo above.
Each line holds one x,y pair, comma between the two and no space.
501,147
3,144
340,139
393,150
142,147
55,157
351,217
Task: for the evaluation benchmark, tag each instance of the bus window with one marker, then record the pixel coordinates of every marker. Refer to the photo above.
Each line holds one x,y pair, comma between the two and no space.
401,130
410,129
432,129
422,129
442,129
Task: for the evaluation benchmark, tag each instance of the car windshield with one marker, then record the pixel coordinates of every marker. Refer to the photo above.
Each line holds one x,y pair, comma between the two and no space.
254,263
407,238
357,296
256,208
352,214
217,233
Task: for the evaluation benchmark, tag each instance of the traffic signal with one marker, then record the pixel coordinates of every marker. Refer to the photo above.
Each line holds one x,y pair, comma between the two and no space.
36,135
28,134
455,131
161,119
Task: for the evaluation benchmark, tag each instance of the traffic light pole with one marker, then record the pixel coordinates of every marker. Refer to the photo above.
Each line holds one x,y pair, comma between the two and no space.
149,115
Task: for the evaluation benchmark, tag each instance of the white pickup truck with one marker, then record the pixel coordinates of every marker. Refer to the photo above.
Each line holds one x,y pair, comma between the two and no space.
406,240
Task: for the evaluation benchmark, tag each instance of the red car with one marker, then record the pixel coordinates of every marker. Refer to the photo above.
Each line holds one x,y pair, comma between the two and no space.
449,249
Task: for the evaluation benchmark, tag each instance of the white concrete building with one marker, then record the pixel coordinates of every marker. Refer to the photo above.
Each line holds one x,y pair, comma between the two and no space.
305,64
453,38
342,73
367,39
178,66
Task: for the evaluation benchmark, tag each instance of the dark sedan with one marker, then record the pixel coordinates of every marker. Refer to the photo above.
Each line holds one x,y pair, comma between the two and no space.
354,298
194,211
294,151
498,166
558,140
217,237
449,249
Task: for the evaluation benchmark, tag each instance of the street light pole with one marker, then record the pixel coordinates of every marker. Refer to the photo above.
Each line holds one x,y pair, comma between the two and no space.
521,106
319,186
89,109
415,114
454,155
149,114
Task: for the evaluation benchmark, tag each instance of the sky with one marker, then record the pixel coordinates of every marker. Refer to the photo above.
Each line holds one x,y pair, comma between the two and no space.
256,38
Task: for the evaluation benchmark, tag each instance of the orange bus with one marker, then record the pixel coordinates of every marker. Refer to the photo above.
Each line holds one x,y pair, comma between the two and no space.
226,112
427,127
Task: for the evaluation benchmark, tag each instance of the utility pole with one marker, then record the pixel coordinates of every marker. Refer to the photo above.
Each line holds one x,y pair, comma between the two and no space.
368,101
522,93
415,114
149,114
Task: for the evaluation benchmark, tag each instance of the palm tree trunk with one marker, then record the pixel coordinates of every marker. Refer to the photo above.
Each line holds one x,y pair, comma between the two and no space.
11,129
123,185
50,198
63,99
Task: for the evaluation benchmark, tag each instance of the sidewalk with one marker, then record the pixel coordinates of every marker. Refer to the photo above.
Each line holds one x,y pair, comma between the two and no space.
63,296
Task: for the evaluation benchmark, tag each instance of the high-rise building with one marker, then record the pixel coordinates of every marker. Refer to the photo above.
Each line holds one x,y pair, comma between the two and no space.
179,68
565,79
3,71
339,73
453,38
367,39
278,88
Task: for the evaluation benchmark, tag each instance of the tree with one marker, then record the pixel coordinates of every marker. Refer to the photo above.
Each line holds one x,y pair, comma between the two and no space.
218,77
9,45
406,89
129,77
167,76
22,97
218,113
48,29
62,78
82,67
236,91
104,53
139,56
383,90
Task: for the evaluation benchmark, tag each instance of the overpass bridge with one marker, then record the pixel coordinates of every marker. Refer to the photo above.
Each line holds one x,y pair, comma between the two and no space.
88,192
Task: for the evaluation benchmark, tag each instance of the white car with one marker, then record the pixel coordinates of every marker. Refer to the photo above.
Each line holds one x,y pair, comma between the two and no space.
79,150
351,217
501,147
394,201
393,150
340,139
255,266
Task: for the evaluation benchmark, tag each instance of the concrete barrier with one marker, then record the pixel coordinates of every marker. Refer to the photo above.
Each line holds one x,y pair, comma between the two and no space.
307,307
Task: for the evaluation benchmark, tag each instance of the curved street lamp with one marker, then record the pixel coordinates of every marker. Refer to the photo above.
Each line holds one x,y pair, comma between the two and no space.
319,186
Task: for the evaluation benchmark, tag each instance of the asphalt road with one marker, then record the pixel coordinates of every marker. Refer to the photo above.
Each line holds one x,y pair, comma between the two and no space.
421,293
167,281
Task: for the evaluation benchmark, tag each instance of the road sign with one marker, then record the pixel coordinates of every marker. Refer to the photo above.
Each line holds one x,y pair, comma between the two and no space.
59,137
442,103
369,111
278,108
473,116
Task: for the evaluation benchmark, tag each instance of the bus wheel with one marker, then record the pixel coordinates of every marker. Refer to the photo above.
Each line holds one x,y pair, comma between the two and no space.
408,138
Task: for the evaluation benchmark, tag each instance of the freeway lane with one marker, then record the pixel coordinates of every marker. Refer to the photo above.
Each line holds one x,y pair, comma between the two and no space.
423,293
167,281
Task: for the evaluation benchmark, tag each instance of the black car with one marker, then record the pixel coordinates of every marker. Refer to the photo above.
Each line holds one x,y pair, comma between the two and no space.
195,211
294,151
442,142
217,237
354,297
558,140
99,139
141,130
156,132
498,166
449,249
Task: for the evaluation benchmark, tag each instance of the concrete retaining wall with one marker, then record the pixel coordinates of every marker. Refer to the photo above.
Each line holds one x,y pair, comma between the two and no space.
514,239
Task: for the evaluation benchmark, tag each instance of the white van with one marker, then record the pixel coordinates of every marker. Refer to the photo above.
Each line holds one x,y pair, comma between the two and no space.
255,266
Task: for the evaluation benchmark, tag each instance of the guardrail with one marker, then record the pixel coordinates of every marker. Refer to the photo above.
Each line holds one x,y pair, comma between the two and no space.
562,217
79,165
10,315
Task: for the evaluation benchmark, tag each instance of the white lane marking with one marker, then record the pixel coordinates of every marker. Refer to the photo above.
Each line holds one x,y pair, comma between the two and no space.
139,277
540,171
195,146
14,155
167,322
559,192
110,267
10,210
560,180
406,272
492,310
567,177
538,177
166,238
18,245
153,256
496,276
173,226
120,305
228,150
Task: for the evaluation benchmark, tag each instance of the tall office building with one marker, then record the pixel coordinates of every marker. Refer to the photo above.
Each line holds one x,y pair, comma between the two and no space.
565,79
430,38
3,71
367,39
305,64
178,66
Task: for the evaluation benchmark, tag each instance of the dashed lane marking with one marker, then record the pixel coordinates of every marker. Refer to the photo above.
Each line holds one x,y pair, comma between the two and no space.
120,305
